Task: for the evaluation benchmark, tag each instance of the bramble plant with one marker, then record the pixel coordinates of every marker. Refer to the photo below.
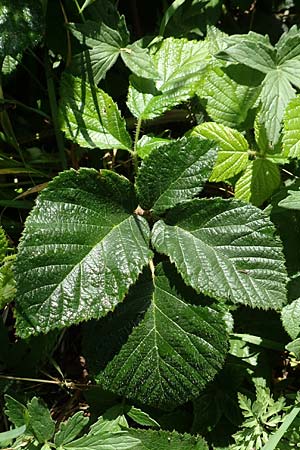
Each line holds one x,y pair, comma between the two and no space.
160,258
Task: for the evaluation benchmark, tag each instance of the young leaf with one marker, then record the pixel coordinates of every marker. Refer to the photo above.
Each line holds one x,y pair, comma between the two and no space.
90,117
291,129
81,250
174,172
225,249
141,417
41,422
15,411
290,316
163,440
233,149
260,180
228,102
175,349
179,64
70,429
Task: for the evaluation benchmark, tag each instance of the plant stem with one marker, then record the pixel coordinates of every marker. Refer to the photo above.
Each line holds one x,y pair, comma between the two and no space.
135,158
54,114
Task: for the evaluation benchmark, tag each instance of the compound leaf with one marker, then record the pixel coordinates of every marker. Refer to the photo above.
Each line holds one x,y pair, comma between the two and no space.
174,172
90,117
288,46
164,440
233,149
291,129
179,64
81,250
175,349
290,316
16,411
225,249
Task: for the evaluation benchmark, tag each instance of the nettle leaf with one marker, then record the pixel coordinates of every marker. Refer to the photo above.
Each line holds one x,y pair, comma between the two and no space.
258,182
225,249
164,440
81,250
233,149
146,144
275,96
90,117
105,46
290,316
228,102
174,172
41,422
180,64
291,129
70,429
21,26
175,349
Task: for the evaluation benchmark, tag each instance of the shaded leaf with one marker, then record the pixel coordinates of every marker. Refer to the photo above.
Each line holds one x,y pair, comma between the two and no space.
141,417
147,143
232,155
292,201
70,429
81,250
16,411
163,440
3,244
138,60
174,350
90,117
41,422
290,316
174,172
225,249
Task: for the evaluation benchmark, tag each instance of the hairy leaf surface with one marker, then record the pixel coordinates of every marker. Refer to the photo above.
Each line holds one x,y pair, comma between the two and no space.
225,249
90,117
163,440
174,172
175,349
233,149
82,248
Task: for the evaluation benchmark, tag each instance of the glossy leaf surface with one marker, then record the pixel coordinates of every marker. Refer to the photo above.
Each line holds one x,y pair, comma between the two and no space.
90,117
225,249
174,172
82,248
175,349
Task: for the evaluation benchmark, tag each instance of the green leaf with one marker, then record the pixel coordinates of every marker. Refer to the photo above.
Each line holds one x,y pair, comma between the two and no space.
174,172
288,46
147,143
225,249
81,250
228,101
9,64
290,316
180,64
90,117
106,441
292,201
41,422
7,283
138,60
233,149
291,129
3,244
22,26
70,429
175,349
141,417
15,411
294,347
275,96
112,420
104,43
8,436
259,181
252,50
163,440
